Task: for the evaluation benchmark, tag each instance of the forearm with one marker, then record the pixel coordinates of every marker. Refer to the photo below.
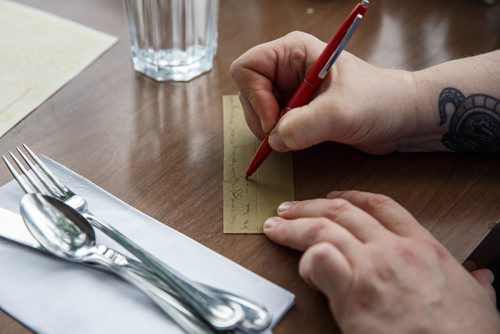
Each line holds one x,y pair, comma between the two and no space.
457,106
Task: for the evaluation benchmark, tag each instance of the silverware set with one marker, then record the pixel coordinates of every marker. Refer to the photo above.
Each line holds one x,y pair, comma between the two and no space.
60,220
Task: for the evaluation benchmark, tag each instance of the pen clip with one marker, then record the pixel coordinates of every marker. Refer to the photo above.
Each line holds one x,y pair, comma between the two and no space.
324,71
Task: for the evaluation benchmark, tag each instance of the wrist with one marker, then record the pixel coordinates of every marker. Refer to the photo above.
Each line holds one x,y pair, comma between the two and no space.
423,128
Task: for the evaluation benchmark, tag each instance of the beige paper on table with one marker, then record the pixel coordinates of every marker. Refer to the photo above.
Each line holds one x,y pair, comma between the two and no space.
39,53
248,203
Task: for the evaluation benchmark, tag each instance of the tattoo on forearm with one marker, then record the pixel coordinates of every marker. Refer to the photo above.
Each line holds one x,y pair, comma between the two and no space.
474,122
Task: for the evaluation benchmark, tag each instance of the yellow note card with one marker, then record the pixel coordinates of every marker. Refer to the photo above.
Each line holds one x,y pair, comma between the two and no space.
249,202
39,53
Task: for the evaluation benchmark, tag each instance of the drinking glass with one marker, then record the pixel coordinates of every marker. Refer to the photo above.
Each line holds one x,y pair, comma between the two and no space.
172,40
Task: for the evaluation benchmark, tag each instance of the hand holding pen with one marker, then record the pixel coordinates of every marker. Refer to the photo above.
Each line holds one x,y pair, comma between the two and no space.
358,104
314,76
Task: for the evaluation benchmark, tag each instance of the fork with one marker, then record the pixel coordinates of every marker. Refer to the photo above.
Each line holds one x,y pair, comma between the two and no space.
219,311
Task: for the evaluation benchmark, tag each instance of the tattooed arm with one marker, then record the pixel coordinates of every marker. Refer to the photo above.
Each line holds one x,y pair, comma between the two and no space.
464,98
451,106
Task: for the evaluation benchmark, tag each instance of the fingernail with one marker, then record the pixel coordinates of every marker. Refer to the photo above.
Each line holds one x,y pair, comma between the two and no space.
276,142
492,278
271,223
334,194
284,207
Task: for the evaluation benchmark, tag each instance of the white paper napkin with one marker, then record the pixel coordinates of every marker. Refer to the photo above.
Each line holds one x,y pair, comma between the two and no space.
54,296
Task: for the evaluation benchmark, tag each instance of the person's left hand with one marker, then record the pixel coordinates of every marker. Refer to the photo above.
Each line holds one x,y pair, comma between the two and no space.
381,271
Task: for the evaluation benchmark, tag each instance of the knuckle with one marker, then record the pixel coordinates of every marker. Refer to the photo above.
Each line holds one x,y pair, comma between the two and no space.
316,230
377,202
385,272
421,252
337,206
319,254
408,254
312,259
296,34
438,250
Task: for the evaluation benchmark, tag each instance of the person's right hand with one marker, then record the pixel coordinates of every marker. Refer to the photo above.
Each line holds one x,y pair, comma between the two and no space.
371,108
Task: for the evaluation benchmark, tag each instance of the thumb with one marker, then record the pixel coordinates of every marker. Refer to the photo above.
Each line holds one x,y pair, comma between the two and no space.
303,127
485,278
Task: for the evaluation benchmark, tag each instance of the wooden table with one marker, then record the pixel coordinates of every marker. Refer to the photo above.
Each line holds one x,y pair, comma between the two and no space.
159,146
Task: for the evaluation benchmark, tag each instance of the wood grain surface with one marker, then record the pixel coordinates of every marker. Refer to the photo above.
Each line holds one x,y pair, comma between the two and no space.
159,146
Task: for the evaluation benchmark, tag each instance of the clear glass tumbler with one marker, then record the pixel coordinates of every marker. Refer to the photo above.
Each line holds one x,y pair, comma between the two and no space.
172,40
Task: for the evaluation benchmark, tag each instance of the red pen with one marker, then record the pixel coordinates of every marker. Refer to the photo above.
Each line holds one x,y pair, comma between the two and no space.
314,76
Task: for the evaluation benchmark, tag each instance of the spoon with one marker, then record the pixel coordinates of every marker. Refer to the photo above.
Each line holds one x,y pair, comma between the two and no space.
64,232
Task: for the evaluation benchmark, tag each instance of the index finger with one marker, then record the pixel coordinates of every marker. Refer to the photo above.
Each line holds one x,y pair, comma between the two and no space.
386,210
254,73
268,74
